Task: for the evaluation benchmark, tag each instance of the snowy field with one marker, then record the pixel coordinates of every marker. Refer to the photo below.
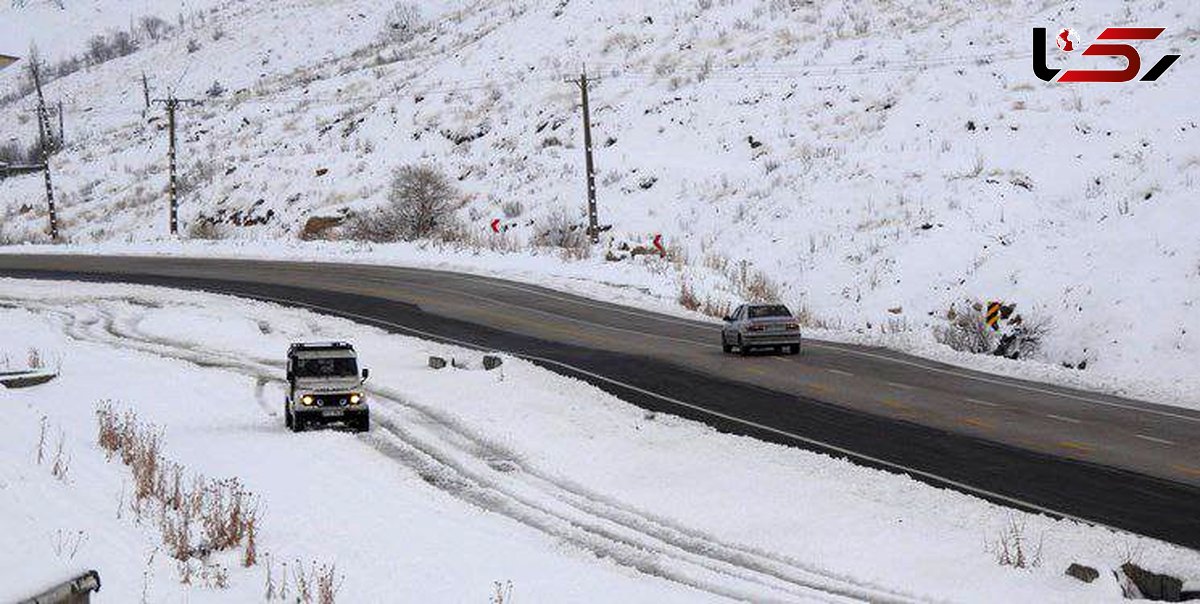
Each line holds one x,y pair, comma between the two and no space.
469,478
876,162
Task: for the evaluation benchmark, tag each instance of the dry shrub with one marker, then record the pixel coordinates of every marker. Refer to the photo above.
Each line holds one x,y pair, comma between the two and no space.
966,332
1011,547
753,285
194,519
207,229
557,230
422,201
687,297
304,584
501,592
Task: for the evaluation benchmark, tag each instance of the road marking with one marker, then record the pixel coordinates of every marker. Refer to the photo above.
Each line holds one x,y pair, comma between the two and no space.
1006,383
1190,471
901,386
895,404
839,372
818,387
976,422
862,457
583,300
1063,419
1076,446
756,370
1155,439
981,402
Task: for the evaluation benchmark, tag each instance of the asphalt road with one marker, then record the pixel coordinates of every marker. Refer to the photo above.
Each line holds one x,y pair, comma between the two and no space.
1123,463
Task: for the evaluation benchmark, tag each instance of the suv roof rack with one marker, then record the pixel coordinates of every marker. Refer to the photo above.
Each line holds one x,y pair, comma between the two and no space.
319,346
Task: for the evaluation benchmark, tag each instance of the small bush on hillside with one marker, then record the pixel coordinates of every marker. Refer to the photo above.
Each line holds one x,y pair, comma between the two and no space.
966,332
402,23
423,201
558,230
207,229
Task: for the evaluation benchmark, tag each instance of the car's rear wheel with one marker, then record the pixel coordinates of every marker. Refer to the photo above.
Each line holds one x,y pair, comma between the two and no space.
794,349
742,348
725,347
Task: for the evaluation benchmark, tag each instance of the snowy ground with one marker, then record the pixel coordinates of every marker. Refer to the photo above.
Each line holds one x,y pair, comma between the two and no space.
864,156
471,477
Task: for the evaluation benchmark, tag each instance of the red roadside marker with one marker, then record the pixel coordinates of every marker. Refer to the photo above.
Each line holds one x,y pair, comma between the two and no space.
496,225
658,244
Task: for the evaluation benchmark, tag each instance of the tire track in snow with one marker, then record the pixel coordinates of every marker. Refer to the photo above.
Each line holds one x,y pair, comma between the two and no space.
453,458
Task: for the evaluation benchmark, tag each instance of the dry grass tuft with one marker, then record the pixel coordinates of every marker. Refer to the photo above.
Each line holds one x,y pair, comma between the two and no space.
195,518
1011,547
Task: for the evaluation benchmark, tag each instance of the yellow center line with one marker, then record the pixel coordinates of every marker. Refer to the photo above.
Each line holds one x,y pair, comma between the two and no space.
895,404
818,388
1076,446
1190,471
976,422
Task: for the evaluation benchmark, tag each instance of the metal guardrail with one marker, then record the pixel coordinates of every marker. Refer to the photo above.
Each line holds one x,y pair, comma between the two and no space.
26,379
7,170
76,591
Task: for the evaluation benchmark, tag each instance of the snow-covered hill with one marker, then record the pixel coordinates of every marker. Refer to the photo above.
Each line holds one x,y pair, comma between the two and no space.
877,162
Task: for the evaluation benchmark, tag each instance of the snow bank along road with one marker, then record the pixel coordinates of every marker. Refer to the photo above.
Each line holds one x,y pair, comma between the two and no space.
1128,464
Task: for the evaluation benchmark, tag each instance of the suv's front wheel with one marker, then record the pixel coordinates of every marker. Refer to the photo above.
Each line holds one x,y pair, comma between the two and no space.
363,424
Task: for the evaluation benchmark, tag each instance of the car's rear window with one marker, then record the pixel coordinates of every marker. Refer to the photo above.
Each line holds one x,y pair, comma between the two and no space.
776,310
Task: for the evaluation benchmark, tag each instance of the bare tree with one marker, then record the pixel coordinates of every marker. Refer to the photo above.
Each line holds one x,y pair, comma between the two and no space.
423,199
422,204
403,23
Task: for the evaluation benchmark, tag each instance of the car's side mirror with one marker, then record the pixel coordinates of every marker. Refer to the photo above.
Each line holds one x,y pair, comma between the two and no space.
366,373
729,319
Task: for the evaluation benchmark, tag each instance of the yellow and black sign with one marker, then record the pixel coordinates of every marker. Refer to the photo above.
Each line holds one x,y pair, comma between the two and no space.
993,315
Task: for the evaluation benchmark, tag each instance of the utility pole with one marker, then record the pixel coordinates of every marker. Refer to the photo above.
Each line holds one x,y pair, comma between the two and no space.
62,137
172,104
145,93
593,220
43,136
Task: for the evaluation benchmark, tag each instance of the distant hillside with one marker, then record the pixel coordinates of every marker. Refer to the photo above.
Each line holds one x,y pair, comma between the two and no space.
874,163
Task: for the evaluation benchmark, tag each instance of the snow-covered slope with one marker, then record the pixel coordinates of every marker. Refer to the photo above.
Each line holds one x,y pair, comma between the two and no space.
864,156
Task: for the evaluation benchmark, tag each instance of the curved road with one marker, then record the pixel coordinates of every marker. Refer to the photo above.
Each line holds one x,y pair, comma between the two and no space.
1123,463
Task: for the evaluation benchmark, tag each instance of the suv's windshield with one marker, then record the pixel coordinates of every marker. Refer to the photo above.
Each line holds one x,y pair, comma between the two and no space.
330,367
777,310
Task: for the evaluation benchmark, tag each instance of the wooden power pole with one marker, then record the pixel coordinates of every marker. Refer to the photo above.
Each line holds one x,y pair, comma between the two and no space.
145,94
172,104
44,135
593,220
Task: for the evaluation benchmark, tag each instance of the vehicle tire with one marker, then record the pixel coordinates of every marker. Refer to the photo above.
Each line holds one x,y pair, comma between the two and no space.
287,416
742,348
363,424
794,349
725,347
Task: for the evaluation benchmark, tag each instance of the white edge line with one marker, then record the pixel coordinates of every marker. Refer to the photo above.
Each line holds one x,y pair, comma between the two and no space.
1155,439
1062,418
812,441
982,402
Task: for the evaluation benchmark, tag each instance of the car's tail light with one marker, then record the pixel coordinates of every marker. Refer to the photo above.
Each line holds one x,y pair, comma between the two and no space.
756,327
793,326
